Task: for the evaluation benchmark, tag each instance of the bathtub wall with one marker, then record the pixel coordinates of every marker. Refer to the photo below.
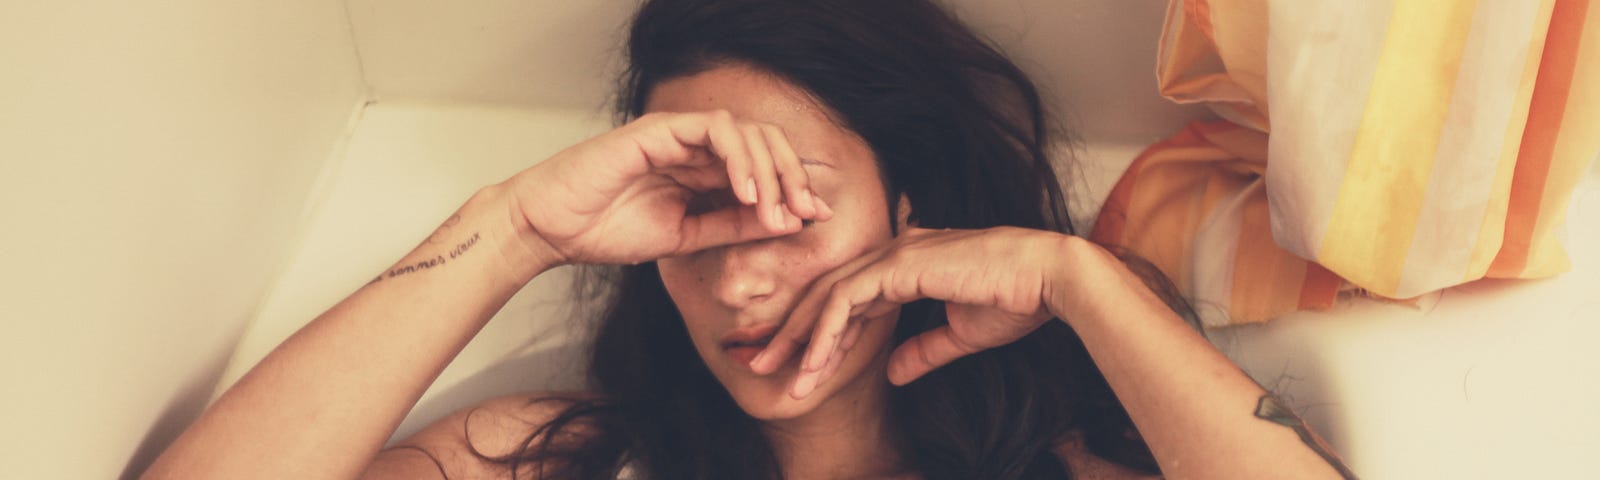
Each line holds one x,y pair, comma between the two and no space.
176,190
1093,58
155,159
466,96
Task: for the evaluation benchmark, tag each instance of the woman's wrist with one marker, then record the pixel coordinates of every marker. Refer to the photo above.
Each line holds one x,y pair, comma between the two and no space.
525,253
1087,283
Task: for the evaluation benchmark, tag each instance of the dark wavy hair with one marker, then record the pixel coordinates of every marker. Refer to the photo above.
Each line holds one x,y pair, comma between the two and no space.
961,132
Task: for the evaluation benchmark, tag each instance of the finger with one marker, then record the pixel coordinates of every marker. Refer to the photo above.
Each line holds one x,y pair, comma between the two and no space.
726,142
769,196
807,382
831,323
669,143
794,333
925,352
834,361
851,334
789,339
797,328
723,227
795,181
857,295
681,139
700,176
865,291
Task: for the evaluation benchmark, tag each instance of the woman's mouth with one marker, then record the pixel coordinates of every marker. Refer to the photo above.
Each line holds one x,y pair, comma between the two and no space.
744,344
744,352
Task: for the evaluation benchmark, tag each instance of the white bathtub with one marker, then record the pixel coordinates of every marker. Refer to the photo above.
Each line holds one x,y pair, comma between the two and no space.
351,129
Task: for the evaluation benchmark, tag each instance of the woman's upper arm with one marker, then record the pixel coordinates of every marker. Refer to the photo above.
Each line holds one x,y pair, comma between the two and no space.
1088,466
405,462
444,448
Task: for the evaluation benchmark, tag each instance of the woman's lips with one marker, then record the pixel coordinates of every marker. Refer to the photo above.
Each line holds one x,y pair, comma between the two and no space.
744,353
743,344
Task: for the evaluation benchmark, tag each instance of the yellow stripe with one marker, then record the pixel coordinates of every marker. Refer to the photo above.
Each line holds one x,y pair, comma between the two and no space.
1385,180
1492,230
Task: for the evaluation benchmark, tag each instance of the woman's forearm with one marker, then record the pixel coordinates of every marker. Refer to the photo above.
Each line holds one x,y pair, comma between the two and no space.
1200,414
325,400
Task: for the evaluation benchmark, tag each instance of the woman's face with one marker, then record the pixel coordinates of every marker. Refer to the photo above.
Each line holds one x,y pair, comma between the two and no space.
747,290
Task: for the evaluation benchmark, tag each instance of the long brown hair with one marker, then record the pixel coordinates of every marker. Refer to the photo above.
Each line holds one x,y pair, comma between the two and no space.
961,132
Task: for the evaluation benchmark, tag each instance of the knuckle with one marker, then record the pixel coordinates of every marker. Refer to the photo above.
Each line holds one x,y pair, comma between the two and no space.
836,292
905,252
650,118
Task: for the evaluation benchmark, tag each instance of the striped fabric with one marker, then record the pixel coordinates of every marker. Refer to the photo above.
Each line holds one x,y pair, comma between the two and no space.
1414,145
1195,205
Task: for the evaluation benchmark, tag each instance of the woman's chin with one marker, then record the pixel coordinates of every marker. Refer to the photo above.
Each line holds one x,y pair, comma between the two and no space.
767,397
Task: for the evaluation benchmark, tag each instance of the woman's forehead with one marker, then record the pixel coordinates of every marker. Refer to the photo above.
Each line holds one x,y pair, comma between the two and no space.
747,92
753,95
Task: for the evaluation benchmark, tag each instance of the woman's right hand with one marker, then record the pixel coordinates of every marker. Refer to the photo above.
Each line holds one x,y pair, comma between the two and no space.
665,184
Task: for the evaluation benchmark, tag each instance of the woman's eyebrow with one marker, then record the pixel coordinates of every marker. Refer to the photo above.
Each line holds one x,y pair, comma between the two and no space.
804,161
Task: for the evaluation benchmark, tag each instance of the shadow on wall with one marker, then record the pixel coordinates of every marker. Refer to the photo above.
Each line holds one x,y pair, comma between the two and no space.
182,409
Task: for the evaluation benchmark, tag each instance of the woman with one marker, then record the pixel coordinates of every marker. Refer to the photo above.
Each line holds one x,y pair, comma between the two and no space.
848,257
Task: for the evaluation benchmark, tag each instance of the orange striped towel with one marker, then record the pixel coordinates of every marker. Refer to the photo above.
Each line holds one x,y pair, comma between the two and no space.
1414,145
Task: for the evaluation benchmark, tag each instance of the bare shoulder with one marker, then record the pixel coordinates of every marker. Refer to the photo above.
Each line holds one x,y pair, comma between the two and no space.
1086,465
457,445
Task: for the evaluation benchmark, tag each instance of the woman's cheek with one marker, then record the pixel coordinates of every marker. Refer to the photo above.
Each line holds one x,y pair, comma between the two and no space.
817,252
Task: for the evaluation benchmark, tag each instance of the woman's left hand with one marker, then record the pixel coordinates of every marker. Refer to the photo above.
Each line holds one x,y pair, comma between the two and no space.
995,284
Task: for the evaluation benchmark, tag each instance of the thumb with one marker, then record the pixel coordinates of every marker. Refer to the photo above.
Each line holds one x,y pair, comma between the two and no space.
923,353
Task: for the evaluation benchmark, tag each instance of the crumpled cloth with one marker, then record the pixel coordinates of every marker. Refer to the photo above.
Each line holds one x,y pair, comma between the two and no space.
1395,147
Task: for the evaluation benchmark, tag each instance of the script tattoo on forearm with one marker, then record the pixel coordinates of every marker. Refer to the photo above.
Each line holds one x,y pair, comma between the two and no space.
1271,409
460,249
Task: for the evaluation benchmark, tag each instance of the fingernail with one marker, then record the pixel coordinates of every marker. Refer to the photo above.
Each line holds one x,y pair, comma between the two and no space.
823,208
750,191
791,222
778,217
804,385
894,378
754,362
810,200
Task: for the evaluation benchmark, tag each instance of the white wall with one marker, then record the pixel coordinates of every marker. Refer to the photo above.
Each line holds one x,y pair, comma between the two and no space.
514,53
407,166
1097,57
1094,60
154,159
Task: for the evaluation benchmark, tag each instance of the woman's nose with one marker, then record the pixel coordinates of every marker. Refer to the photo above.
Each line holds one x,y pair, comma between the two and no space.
748,274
